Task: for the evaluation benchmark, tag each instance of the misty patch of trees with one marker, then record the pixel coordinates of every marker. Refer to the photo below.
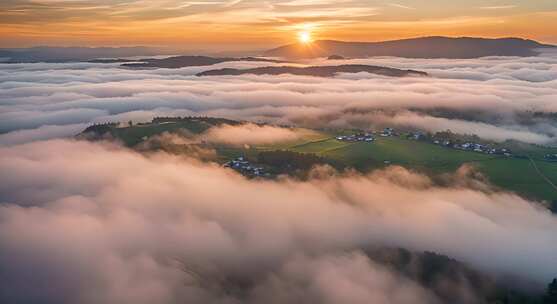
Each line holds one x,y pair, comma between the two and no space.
551,293
100,129
456,282
450,280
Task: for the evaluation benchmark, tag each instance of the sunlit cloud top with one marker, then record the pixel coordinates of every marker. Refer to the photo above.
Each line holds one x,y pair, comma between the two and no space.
245,24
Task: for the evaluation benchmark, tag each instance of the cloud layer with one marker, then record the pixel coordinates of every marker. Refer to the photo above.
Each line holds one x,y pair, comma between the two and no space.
493,97
89,223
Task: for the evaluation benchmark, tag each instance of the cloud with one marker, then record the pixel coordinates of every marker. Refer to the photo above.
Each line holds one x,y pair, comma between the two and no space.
398,5
18,120
350,278
252,134
89,222
495,96
498,7
181,142
489,132
41,133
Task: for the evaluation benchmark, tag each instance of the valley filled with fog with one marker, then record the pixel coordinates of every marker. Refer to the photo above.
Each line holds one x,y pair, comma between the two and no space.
498,98
109,224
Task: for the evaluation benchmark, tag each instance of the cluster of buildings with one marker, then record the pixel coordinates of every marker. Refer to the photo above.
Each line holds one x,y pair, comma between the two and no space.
471,146
551,157
367,137
417,136
449,143
359,137
387,132
244,167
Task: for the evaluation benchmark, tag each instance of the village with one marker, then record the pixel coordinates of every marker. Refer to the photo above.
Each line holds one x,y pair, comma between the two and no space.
436,139
551,157
459,144
243,166
358,137
473,147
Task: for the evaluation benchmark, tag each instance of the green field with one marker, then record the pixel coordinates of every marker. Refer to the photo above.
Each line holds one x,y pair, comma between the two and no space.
310,138
319,146
511,173
521,176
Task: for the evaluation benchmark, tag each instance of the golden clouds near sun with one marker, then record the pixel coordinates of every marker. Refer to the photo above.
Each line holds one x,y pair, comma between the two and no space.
304,37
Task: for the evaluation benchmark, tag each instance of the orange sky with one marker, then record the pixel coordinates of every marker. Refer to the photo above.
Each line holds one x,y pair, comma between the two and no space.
245,24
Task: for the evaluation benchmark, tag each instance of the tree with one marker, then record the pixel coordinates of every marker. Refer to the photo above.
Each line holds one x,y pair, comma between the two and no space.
551,293
553,206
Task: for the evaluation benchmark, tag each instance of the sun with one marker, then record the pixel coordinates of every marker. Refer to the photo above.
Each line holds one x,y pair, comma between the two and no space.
304,37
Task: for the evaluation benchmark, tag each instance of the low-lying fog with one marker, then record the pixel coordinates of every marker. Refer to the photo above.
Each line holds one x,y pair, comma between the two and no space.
492,97
88,222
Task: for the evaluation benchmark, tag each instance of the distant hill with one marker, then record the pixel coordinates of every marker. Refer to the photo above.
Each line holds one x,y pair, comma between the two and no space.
319,71
70,54
427,47
335,57
187,61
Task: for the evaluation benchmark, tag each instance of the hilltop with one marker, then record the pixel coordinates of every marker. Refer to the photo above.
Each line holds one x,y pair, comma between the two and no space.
528,170
318,71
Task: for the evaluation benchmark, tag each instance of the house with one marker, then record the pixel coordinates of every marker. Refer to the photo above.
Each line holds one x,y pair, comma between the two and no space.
387,132
244,167
416,135
360,137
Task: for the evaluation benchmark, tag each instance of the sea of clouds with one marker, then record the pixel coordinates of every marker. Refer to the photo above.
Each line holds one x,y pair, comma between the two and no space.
492,97
84,222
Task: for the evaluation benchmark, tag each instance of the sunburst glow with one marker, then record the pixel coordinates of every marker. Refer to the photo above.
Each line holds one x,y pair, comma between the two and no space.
304,37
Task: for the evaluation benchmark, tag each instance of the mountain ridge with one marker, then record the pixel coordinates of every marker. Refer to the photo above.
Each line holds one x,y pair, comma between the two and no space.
317,71
421,47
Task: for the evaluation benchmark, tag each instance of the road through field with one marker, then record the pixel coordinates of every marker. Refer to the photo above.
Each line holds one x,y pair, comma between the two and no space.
541,174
